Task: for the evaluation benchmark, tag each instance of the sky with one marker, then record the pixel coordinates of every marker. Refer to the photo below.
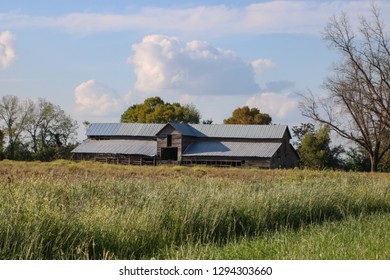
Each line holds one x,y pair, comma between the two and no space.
96,58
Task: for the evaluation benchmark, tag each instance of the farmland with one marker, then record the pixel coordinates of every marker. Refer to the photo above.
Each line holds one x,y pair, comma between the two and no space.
67,210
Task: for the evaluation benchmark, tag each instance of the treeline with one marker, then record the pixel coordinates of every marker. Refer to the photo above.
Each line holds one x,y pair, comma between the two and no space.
35,130
316,151
156,110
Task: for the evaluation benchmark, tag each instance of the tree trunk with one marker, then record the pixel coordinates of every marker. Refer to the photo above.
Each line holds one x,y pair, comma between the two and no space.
374,162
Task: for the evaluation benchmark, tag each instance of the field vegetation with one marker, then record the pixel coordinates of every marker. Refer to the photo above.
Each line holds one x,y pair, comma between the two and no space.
67,210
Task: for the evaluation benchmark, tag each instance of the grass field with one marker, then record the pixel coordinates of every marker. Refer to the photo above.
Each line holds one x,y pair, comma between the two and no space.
67,210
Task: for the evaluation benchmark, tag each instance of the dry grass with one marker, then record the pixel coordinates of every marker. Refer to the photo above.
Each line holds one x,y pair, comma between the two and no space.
67,210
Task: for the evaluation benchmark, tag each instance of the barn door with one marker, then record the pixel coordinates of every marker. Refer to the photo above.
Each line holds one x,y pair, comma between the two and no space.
169,153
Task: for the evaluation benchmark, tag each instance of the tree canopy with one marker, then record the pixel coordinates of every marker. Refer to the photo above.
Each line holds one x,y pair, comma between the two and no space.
35,130
246,115
300,131
315,151
155,110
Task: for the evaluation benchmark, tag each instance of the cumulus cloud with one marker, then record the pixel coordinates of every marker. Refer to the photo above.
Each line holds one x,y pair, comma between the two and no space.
7,52
166,64
95,99
281,105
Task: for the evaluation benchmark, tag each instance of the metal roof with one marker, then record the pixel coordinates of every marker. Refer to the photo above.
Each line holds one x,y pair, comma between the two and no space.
185,129
124,129
129,147
232,149
196,130
241,131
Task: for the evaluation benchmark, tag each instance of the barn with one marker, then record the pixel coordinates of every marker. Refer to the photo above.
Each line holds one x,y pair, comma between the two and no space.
262,146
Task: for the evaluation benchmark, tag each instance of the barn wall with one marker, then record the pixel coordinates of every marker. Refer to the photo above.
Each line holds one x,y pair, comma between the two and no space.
285,157
116,159
162,142
292,159
227,161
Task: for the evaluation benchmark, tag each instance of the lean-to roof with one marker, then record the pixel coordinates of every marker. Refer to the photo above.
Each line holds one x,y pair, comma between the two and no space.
127,147
232,149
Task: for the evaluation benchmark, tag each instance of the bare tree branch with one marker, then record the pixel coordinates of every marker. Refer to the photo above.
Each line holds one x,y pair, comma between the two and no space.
357,106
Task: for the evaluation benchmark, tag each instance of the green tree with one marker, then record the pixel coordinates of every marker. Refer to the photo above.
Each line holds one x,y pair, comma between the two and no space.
51,131
35,130
155,110
300,131
357,160
315,151
14,115
49,126
208,121
244,115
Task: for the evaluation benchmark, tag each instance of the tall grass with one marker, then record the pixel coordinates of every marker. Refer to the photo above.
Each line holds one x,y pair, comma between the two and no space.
355,238
65,210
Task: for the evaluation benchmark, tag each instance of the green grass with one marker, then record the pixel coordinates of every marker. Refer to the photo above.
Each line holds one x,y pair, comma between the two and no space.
66,210
355,238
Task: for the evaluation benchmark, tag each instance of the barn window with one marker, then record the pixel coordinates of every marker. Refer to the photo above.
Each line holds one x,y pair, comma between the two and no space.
169,140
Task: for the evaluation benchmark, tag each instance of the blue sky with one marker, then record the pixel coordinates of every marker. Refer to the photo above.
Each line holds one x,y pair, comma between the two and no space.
96,58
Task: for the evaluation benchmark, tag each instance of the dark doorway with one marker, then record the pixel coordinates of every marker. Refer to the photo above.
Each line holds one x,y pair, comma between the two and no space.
169,153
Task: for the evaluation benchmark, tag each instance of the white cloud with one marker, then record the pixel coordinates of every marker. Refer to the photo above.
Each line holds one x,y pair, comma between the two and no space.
7,52
279,105
95,99
166,64
258,18
262,65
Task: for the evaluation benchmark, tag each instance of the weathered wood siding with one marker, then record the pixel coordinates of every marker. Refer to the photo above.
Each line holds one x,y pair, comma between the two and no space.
227,161
285,157
116,159
162,141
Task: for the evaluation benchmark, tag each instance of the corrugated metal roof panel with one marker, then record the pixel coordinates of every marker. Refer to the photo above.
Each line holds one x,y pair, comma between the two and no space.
99,129
187,129
124,129
129,147
232,149
197,130
241,131
139,129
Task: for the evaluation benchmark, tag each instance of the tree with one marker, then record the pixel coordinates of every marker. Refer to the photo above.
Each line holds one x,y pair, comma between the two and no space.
244,115
357,106
50,129
300,131
357,160
314,151
36,130
208,121
1,145
15,115
155,110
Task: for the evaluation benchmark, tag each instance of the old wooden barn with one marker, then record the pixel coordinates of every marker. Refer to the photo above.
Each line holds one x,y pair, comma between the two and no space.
263,146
